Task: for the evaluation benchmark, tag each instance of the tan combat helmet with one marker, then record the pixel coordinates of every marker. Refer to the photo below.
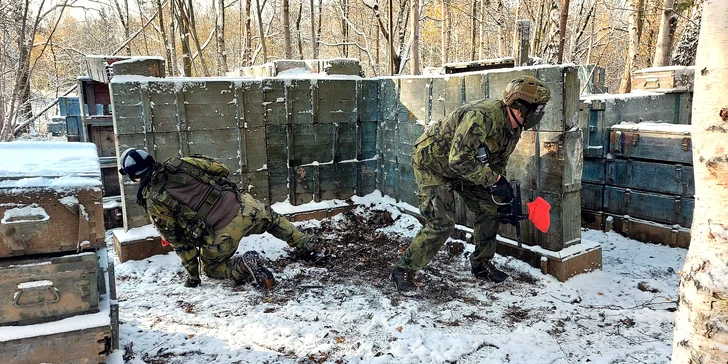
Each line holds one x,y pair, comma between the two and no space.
529,96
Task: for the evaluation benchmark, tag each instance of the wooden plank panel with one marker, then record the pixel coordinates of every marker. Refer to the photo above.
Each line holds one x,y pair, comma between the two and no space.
305,183
553,119
447,96
366,177
251,100
274,102
254,156
346,142
368,140
312,143
388,96
221,145
256,184
414,100
299,101
368,98
474,86
89,346
337,180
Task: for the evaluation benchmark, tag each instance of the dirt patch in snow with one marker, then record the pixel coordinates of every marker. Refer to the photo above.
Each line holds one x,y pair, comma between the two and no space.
360,254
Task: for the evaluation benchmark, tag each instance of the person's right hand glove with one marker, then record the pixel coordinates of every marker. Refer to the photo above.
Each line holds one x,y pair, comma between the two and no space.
192,281
502,189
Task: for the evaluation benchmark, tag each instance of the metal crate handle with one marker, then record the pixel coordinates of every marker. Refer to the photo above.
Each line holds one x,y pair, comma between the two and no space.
19,293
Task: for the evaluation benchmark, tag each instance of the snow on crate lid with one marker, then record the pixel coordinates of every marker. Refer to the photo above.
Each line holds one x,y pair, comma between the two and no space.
682,129
49,164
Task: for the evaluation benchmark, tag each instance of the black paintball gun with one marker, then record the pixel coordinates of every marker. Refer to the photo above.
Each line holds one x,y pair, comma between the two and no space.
511,212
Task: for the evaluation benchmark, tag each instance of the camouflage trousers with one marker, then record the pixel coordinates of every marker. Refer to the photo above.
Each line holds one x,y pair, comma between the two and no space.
437,205
254,217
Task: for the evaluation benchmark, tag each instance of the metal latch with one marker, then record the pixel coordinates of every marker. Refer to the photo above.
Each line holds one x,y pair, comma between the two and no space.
678,204
635,138
627,197
686,143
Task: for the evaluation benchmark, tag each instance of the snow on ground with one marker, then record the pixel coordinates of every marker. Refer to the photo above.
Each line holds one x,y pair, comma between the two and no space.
622,314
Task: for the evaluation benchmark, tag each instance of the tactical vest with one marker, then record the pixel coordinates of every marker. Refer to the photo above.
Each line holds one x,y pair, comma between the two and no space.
190,222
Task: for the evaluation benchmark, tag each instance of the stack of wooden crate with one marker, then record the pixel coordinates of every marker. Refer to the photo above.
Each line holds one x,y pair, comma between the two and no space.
638,176
59,301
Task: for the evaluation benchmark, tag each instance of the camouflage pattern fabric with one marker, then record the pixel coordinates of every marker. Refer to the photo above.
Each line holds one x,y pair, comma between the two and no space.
215,249
444,162
216,252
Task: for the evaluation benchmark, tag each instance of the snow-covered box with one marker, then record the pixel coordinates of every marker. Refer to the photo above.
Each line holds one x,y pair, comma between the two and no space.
50,198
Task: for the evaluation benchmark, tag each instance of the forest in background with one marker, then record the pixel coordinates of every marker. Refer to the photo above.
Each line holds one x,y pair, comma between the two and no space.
45,42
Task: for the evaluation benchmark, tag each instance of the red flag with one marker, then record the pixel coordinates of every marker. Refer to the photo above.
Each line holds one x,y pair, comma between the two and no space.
538,213
164,242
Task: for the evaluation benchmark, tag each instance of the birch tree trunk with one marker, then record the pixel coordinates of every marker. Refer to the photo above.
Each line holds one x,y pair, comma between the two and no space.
220,38
287,29
415,64
701,333
632,47
668,23
345,27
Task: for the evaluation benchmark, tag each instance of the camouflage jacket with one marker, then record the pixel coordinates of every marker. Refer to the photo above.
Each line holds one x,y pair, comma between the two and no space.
187,199
450,146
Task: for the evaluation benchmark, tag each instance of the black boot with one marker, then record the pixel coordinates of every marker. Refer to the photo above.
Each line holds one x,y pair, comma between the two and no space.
253,263
488,271
404,279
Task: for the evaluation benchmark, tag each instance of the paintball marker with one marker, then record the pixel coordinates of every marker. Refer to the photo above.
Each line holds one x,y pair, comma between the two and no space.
511,212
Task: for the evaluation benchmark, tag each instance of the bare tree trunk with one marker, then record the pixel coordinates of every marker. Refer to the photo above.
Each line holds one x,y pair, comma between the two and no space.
481,28
591,37
701,335
536,41
172,38
473,29
248,35
314,40
562,30
688,44
191,23
551,46
668,23
633,46
142,21
318,27
287,29
124,19
165,45
261,31
446,30
501,30
345,28
184,33
222,68
298,30
415,49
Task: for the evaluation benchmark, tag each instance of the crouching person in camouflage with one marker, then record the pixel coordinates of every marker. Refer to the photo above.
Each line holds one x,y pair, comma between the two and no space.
201,213
467,152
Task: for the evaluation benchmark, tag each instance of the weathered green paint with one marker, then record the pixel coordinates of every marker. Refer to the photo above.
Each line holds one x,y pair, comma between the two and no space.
447,95
414,100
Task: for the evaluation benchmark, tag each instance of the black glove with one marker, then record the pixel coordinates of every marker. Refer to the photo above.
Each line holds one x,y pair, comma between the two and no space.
192,281
502,189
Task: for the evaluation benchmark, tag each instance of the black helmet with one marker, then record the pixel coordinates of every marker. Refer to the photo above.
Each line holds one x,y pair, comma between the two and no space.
529,96
135,162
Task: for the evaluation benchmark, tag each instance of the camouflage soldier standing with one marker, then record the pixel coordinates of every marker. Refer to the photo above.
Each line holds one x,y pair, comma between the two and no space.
200,212
467,152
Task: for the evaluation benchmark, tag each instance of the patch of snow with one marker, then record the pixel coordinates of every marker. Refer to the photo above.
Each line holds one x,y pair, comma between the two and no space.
35,284
29,213
134,234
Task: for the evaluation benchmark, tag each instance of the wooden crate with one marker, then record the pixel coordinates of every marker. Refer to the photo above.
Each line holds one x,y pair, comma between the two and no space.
42,221
664,79
662,208
648,231
138,243
48,289
73,347
674,179
653,141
